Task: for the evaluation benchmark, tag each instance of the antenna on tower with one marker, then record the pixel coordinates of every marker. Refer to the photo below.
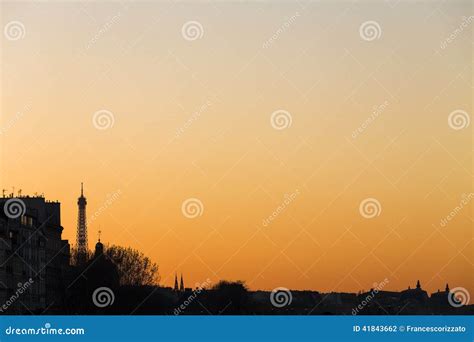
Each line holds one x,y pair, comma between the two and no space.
3,192
99,233
82,189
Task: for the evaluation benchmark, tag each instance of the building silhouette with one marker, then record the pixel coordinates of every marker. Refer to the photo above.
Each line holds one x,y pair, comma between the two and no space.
417,294
81,237
36,276
34,259
440,298
97,272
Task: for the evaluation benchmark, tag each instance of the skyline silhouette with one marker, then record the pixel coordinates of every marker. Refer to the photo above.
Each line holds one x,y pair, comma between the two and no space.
85,272
320,145
82,224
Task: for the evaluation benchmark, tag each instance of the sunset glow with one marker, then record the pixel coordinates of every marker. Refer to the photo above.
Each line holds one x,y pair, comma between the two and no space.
187,113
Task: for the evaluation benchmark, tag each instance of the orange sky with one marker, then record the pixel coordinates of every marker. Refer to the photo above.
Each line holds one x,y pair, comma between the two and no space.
192,119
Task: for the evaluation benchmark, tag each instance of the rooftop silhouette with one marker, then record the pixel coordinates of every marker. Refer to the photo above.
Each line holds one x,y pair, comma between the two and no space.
70,282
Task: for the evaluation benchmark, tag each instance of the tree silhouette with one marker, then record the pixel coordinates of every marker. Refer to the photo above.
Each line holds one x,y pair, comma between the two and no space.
74,259
230,297
134,268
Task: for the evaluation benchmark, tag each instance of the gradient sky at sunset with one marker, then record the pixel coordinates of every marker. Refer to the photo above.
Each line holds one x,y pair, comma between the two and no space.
192,120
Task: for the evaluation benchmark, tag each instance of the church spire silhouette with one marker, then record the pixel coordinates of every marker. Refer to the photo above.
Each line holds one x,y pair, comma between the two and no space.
181,287
176,282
